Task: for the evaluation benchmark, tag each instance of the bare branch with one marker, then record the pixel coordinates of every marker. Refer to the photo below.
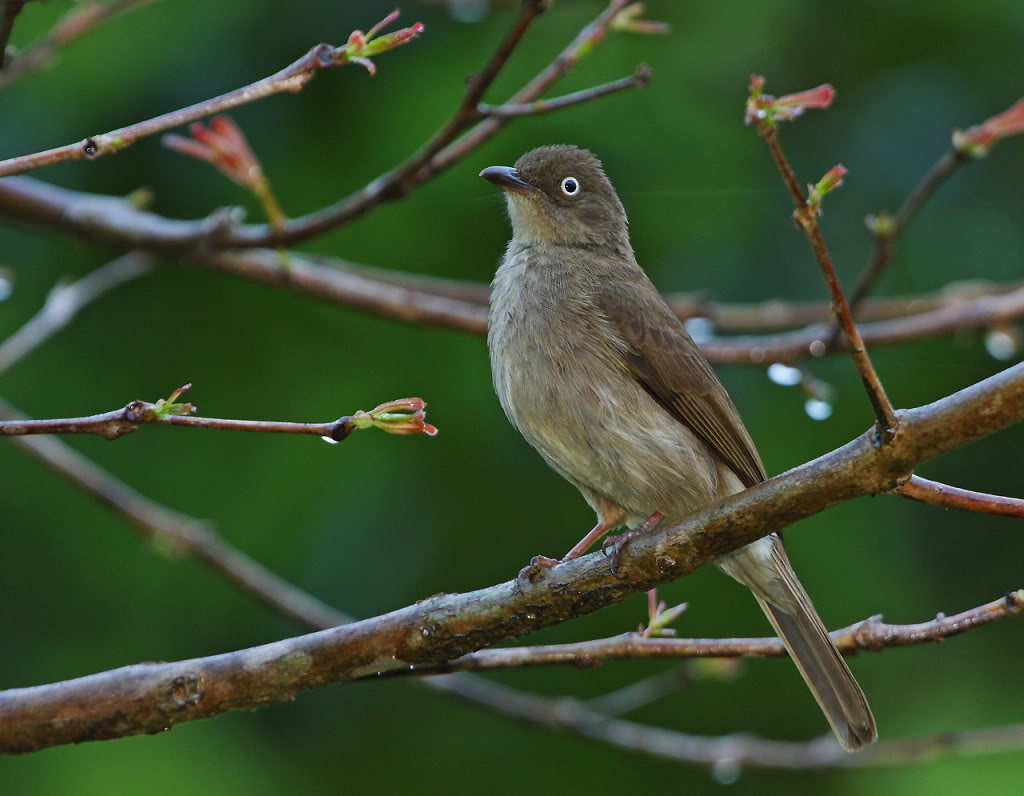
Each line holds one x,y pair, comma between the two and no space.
293,78
154,697
348,286
807,218
641,693
405,416
639,79
726,755
870,634
460,305
65,301
918,488
889,228
177,532
79,21
445,148
192,537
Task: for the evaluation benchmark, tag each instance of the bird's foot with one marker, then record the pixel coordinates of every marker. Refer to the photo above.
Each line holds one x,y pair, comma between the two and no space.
614,546
660,616
534,569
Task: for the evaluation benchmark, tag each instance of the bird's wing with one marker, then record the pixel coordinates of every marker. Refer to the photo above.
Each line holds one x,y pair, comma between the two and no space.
671,368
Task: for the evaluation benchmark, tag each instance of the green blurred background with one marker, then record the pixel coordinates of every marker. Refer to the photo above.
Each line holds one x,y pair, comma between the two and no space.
379,522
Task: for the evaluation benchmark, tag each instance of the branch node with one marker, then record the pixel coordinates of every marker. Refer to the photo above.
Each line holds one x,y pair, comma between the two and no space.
323,55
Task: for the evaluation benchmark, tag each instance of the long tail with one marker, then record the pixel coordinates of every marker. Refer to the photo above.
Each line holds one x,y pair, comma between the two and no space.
765,568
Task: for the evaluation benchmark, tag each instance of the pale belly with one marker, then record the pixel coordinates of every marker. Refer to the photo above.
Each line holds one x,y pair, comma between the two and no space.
594,424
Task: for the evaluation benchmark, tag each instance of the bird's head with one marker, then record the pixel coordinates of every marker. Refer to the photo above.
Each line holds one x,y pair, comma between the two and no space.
560,195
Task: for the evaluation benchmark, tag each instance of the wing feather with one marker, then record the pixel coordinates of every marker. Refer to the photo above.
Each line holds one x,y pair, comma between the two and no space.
672,369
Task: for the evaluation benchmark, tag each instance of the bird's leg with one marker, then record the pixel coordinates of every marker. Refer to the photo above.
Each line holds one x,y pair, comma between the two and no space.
539,563
620,542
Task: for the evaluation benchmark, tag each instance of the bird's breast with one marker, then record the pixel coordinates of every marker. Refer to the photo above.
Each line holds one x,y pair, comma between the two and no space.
561,378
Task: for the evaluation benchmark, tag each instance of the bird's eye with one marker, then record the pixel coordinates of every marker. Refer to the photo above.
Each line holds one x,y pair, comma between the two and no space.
570,186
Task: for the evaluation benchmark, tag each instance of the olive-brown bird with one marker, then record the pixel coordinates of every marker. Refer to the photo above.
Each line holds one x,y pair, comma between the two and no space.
601,377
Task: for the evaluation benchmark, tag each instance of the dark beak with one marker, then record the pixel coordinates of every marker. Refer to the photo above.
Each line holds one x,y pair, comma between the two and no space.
506,177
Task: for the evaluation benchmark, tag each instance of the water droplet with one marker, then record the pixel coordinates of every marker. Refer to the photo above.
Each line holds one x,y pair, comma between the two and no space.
817,348
784,374
817,409
726,771
329,440
700,329
1001,344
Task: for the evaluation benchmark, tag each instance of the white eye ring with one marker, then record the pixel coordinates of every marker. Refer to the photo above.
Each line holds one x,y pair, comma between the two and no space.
570,186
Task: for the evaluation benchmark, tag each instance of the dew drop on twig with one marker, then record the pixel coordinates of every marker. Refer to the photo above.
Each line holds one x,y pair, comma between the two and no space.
329,440
726,771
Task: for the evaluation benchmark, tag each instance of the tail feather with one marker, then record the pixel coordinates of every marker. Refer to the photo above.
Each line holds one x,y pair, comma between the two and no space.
827,676
767,571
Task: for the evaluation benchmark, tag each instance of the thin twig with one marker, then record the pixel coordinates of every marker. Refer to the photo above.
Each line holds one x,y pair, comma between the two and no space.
79,21
870,634
640,79
886,236
176,532
292,78
918,488
728,755
64,302
111,425
444,149
462,305
807,218
644,692
155,697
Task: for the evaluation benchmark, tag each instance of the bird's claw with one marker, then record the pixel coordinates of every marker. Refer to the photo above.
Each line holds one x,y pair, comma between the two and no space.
534,569
614,546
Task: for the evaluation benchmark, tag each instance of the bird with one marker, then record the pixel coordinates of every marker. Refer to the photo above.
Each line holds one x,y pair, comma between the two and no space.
599,375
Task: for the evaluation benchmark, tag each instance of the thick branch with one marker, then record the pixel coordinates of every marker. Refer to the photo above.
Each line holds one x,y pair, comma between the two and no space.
192,537
918,488
153,697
